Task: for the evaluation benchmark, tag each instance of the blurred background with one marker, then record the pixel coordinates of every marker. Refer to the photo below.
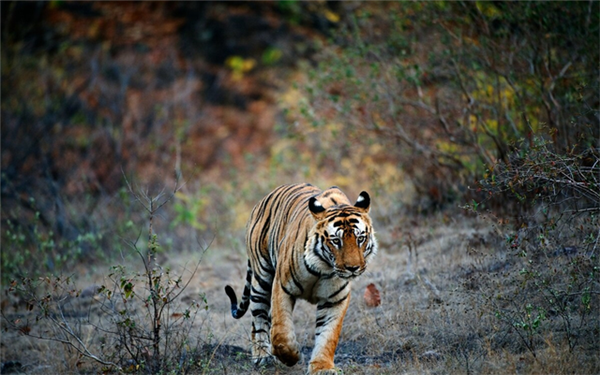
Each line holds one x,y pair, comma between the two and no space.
474,126
427,105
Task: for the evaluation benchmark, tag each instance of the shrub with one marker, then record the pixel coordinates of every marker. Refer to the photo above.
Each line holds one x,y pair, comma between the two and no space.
448,88
549,291
135,320
495,104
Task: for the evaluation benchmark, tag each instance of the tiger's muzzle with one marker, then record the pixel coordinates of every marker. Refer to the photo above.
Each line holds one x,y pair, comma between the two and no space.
349,272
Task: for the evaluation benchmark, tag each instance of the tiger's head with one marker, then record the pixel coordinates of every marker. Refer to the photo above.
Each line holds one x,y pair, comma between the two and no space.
342,240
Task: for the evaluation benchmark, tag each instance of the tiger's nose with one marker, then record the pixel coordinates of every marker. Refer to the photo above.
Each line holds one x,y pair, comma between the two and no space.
352,269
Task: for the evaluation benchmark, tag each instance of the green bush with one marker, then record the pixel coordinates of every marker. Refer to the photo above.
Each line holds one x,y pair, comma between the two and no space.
449,88
134,321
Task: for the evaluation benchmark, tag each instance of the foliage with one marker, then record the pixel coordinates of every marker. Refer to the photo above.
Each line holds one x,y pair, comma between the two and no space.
23,243
141,325
548,288
535,175
554,195
554,285
87,92
449,87
492,103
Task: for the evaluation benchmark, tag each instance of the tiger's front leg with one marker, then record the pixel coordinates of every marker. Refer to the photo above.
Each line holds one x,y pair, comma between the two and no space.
330,316
283,337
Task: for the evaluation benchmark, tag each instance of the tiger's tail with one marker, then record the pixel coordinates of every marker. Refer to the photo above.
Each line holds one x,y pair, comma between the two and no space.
238,312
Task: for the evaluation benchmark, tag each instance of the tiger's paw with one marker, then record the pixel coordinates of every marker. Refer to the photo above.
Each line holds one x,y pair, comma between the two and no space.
287,354
261,355
319,368
331,371
285,348
266,361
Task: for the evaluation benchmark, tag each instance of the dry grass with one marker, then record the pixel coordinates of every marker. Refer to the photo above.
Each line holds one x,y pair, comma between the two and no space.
431,320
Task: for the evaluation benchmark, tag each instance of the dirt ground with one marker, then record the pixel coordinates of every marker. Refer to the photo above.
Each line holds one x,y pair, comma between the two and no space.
427,321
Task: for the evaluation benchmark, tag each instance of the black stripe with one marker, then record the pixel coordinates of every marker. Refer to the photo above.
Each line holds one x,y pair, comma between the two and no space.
263,284
338,291
340,215
324,320
330,191
298,284
260,331
265,268
256,215
310,269
345,211
369,249
328,305
259,299
270,271
249,274
256,291
319,255
293,269
286,291
246,291
260,312
300,224
263,232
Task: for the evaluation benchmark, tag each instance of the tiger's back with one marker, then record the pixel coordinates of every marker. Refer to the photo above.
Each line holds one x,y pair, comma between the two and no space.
272,219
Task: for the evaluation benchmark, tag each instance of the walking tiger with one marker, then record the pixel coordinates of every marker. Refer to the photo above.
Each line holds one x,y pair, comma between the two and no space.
303,243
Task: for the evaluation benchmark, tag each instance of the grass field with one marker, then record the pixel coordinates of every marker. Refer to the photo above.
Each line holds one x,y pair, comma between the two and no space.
433,273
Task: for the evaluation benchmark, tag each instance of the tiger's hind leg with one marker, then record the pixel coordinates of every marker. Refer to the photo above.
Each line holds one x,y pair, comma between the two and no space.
261,319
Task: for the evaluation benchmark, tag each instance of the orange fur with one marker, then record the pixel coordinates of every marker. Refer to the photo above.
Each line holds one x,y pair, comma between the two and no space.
303,243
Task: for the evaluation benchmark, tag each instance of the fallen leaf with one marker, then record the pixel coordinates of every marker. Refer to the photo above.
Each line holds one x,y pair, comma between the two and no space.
372,297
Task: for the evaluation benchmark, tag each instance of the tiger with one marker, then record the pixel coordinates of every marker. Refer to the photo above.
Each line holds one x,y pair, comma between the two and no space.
309,244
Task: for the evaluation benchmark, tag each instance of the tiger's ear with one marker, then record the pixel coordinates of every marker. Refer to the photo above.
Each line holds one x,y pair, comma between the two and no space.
363,202
315,207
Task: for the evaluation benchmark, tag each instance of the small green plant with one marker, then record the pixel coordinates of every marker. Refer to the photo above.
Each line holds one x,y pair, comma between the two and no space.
552,241
22,244
142,325
190,209
525,321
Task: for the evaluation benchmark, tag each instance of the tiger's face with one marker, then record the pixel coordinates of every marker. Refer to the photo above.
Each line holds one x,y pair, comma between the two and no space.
347,239
344,238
